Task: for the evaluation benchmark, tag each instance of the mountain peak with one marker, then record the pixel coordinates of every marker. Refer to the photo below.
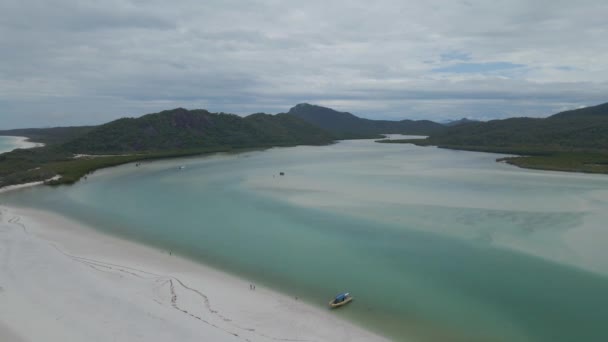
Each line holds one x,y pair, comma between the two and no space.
307,110
308,107
347,125
459,122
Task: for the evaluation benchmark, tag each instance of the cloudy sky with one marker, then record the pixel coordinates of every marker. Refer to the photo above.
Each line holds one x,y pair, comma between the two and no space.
71,62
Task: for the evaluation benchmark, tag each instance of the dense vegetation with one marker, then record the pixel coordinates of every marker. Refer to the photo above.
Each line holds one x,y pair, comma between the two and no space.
575,140
180,129
348,126
573,130
171,133
570,141
39,164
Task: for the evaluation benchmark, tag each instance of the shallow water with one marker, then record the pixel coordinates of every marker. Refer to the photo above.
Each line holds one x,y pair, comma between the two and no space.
8,143
435,245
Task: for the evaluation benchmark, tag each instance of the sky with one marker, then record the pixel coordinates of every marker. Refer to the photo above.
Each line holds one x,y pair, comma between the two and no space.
68,62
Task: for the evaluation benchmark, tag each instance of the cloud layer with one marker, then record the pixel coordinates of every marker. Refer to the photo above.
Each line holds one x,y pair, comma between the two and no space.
85,62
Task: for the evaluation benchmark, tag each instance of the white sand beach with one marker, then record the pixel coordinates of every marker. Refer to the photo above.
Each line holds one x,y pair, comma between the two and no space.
26,185
62,281
24,142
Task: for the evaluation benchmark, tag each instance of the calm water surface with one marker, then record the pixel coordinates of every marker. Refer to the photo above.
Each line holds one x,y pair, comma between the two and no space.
436,245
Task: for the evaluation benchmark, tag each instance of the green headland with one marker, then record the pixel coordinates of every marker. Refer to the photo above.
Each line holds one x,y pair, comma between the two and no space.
575,140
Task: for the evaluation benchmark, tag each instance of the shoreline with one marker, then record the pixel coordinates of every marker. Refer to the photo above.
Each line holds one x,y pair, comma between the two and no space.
25,143
14,187
77,282
72,168
576,162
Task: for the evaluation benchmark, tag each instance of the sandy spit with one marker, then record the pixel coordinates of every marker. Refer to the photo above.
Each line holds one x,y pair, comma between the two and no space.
24,142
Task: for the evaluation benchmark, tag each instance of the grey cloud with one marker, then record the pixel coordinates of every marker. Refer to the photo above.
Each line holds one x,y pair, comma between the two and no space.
75,16
76,62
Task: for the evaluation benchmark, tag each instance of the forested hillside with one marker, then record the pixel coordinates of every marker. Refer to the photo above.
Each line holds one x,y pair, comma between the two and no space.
575,140
346,125
180,129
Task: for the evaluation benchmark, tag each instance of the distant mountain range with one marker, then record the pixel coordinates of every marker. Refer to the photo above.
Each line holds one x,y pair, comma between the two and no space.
575,140
182,132
584,129
344,125
186,129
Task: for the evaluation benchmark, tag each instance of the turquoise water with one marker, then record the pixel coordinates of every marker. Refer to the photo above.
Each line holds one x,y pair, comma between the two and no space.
435,245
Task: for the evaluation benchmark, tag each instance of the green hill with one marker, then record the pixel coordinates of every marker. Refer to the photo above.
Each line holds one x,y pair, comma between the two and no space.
594,111
181,129
575,140
172,133
583,129
346,125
